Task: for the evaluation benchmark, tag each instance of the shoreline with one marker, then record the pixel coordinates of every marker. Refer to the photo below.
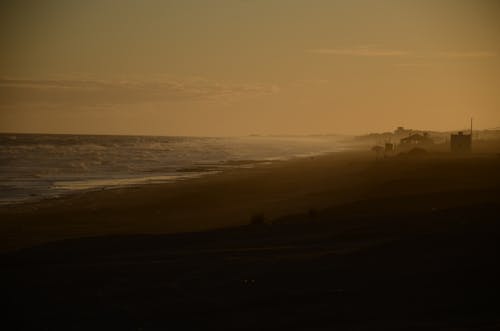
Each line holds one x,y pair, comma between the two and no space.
236,196
234,167
115,210
182,174
65,188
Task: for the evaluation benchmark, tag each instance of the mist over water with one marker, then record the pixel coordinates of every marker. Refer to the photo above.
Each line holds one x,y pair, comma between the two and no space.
34,166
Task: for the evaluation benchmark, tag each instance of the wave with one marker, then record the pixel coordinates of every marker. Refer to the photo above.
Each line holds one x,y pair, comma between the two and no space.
50,165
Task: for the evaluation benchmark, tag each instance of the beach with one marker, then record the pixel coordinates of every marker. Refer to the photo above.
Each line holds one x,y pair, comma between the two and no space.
340,241
250,165
227,199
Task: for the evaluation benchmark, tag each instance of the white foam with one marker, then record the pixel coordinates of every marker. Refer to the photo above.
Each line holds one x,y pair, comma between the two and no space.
123,182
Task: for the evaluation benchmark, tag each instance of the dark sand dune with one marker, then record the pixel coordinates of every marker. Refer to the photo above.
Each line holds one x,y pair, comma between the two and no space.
352,244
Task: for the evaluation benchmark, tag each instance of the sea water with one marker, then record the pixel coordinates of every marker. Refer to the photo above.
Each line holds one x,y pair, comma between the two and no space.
37,166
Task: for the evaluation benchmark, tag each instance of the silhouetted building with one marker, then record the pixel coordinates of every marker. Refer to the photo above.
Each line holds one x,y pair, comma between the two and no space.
417,139
461,143
389,148
401,131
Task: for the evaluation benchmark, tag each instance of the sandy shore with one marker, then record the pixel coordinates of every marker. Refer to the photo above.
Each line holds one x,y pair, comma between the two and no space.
220,200
347,243
233,197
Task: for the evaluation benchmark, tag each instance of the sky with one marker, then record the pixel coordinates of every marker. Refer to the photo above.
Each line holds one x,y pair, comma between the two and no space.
239,67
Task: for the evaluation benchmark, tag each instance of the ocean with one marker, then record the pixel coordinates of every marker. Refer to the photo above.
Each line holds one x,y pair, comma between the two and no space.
38,166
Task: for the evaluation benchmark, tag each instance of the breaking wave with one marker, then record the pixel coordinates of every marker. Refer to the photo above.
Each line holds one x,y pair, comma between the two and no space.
34,166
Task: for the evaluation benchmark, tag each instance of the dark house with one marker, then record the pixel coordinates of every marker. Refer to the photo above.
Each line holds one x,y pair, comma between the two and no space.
402,131
461,143
417,139
389,148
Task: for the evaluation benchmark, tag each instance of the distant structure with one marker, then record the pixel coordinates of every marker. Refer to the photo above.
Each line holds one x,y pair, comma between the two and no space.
416,139
389,148
400,131
461,143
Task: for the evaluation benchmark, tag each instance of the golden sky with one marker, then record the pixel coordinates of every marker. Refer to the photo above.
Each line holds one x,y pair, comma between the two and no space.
248,66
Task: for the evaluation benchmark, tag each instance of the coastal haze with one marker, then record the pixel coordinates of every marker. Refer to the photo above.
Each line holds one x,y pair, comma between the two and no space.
250,165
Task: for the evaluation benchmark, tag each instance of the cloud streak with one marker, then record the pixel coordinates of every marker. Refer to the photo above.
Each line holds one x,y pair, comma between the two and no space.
362,51
78,92
467,55
378,52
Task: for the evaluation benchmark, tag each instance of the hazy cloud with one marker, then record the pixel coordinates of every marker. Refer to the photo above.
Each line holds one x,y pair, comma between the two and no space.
310,82
361,51
78,92
467,55
379,52
412,65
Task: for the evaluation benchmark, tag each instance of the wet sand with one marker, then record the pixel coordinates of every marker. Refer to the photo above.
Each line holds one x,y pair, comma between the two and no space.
342,242
220,200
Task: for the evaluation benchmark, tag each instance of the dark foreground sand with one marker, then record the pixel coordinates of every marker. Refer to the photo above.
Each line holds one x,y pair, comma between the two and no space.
348,244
